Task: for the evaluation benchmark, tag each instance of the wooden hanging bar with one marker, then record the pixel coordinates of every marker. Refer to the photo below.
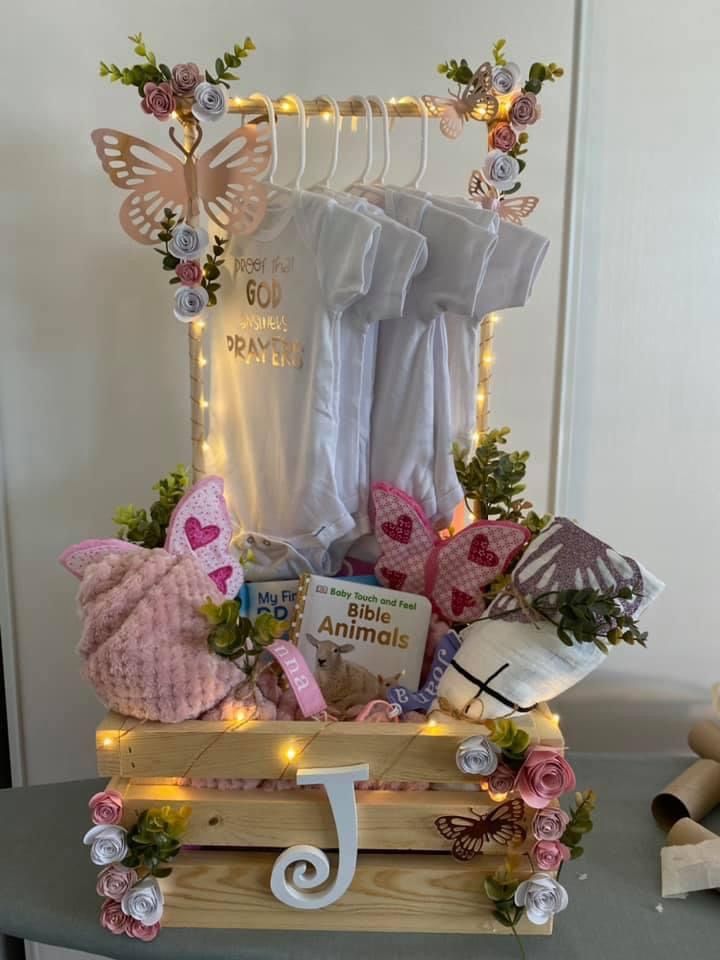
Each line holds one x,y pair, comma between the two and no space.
320,107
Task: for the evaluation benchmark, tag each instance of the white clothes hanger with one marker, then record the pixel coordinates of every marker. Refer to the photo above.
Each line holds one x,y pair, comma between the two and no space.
420,173
302,128
324,184
380,178
273,133
363,178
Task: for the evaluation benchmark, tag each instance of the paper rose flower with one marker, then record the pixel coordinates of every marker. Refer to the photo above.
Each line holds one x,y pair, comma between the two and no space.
190,303
142,931
158,100
144,902
501,170
210,101
544,776
112,918
502,780
187,243
506,78
185,77
542,897
524,110
503,137
106,808
115,881
190,272
549,854
477,755
108,844
550,823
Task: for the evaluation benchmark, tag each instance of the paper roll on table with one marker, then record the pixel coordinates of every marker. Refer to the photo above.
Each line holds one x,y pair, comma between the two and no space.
693,794
704,739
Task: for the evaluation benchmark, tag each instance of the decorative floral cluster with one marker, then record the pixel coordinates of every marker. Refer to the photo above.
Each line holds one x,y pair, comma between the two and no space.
185,90
239,638
132,863
184,248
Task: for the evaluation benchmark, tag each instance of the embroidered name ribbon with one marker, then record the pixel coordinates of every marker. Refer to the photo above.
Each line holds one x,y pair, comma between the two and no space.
299,676
422,700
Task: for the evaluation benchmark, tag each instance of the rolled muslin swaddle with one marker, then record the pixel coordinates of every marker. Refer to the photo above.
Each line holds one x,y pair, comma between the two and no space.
144,640
514,659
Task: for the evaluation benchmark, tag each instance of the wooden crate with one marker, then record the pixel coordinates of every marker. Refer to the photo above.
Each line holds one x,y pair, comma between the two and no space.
405,879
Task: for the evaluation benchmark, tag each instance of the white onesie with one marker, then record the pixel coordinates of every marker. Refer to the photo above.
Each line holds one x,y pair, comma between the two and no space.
271,349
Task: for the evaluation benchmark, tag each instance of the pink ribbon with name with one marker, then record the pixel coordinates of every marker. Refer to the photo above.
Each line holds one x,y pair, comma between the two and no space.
299,676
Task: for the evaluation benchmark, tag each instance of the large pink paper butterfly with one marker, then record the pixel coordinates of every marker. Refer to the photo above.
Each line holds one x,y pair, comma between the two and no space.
475,101
513,209
452,572
200,525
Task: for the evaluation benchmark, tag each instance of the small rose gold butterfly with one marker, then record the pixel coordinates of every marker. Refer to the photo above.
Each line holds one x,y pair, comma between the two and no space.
513,209
224,179
476,101
503,825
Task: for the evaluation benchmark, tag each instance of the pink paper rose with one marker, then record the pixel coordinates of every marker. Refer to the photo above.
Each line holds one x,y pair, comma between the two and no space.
142,931
190,272
503,137
544,776
112,917
550,823
115,881
158,100
524,110
106,808
502,779
549,854
185,77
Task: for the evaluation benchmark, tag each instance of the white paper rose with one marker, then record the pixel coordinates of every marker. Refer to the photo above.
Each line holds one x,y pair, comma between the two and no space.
505,79
188,243
210,101
478,756
501,170
190,303
108,844
542,896
144,902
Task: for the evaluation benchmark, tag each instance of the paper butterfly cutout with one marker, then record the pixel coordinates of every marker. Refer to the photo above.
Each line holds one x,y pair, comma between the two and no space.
476,101
224,179
200,524
451,572
502,825
513,209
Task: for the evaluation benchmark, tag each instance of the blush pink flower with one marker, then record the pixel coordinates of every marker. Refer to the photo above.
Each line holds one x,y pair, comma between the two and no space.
142,931
549,854
550,823
503,137
524,110
112,917
502,779
106,808
190,272
185,77
115,881
158,100
544,776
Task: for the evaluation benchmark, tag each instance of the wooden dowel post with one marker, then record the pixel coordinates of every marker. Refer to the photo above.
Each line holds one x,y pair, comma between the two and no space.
195,329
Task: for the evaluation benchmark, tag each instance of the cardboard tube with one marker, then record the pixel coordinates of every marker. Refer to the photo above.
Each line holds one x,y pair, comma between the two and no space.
704,739
693,794
687,831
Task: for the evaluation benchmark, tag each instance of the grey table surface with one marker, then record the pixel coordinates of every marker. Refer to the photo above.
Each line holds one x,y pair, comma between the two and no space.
47,888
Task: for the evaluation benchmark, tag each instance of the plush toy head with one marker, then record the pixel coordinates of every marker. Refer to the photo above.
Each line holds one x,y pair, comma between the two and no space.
509,662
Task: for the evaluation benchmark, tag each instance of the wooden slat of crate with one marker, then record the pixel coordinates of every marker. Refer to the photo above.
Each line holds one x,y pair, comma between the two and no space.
256,818
259,750
393,892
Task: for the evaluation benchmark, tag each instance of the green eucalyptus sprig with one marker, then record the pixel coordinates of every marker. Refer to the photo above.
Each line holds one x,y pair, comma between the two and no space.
134,523
542,73
457,71
500,888
498,54
239,638
229,61
581,822
588,615
154,841
511,740
211,269
168,223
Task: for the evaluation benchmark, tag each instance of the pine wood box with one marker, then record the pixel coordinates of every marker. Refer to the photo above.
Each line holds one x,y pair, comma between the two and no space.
406,879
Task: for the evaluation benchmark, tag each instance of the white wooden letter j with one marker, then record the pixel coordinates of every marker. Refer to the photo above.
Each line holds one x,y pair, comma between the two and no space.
308,867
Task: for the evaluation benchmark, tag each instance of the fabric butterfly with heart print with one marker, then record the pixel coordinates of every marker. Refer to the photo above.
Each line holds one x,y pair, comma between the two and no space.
451,573
512,209
200,525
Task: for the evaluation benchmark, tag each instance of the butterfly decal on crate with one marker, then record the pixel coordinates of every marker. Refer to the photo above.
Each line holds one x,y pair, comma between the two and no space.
200,525
502,825
513,209
223,180
451,572
475,101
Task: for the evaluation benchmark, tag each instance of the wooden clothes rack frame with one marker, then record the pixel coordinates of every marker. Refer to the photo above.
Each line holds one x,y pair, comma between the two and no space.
318,107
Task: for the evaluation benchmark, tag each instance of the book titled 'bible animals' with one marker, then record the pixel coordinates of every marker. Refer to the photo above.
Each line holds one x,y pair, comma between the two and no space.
384,631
